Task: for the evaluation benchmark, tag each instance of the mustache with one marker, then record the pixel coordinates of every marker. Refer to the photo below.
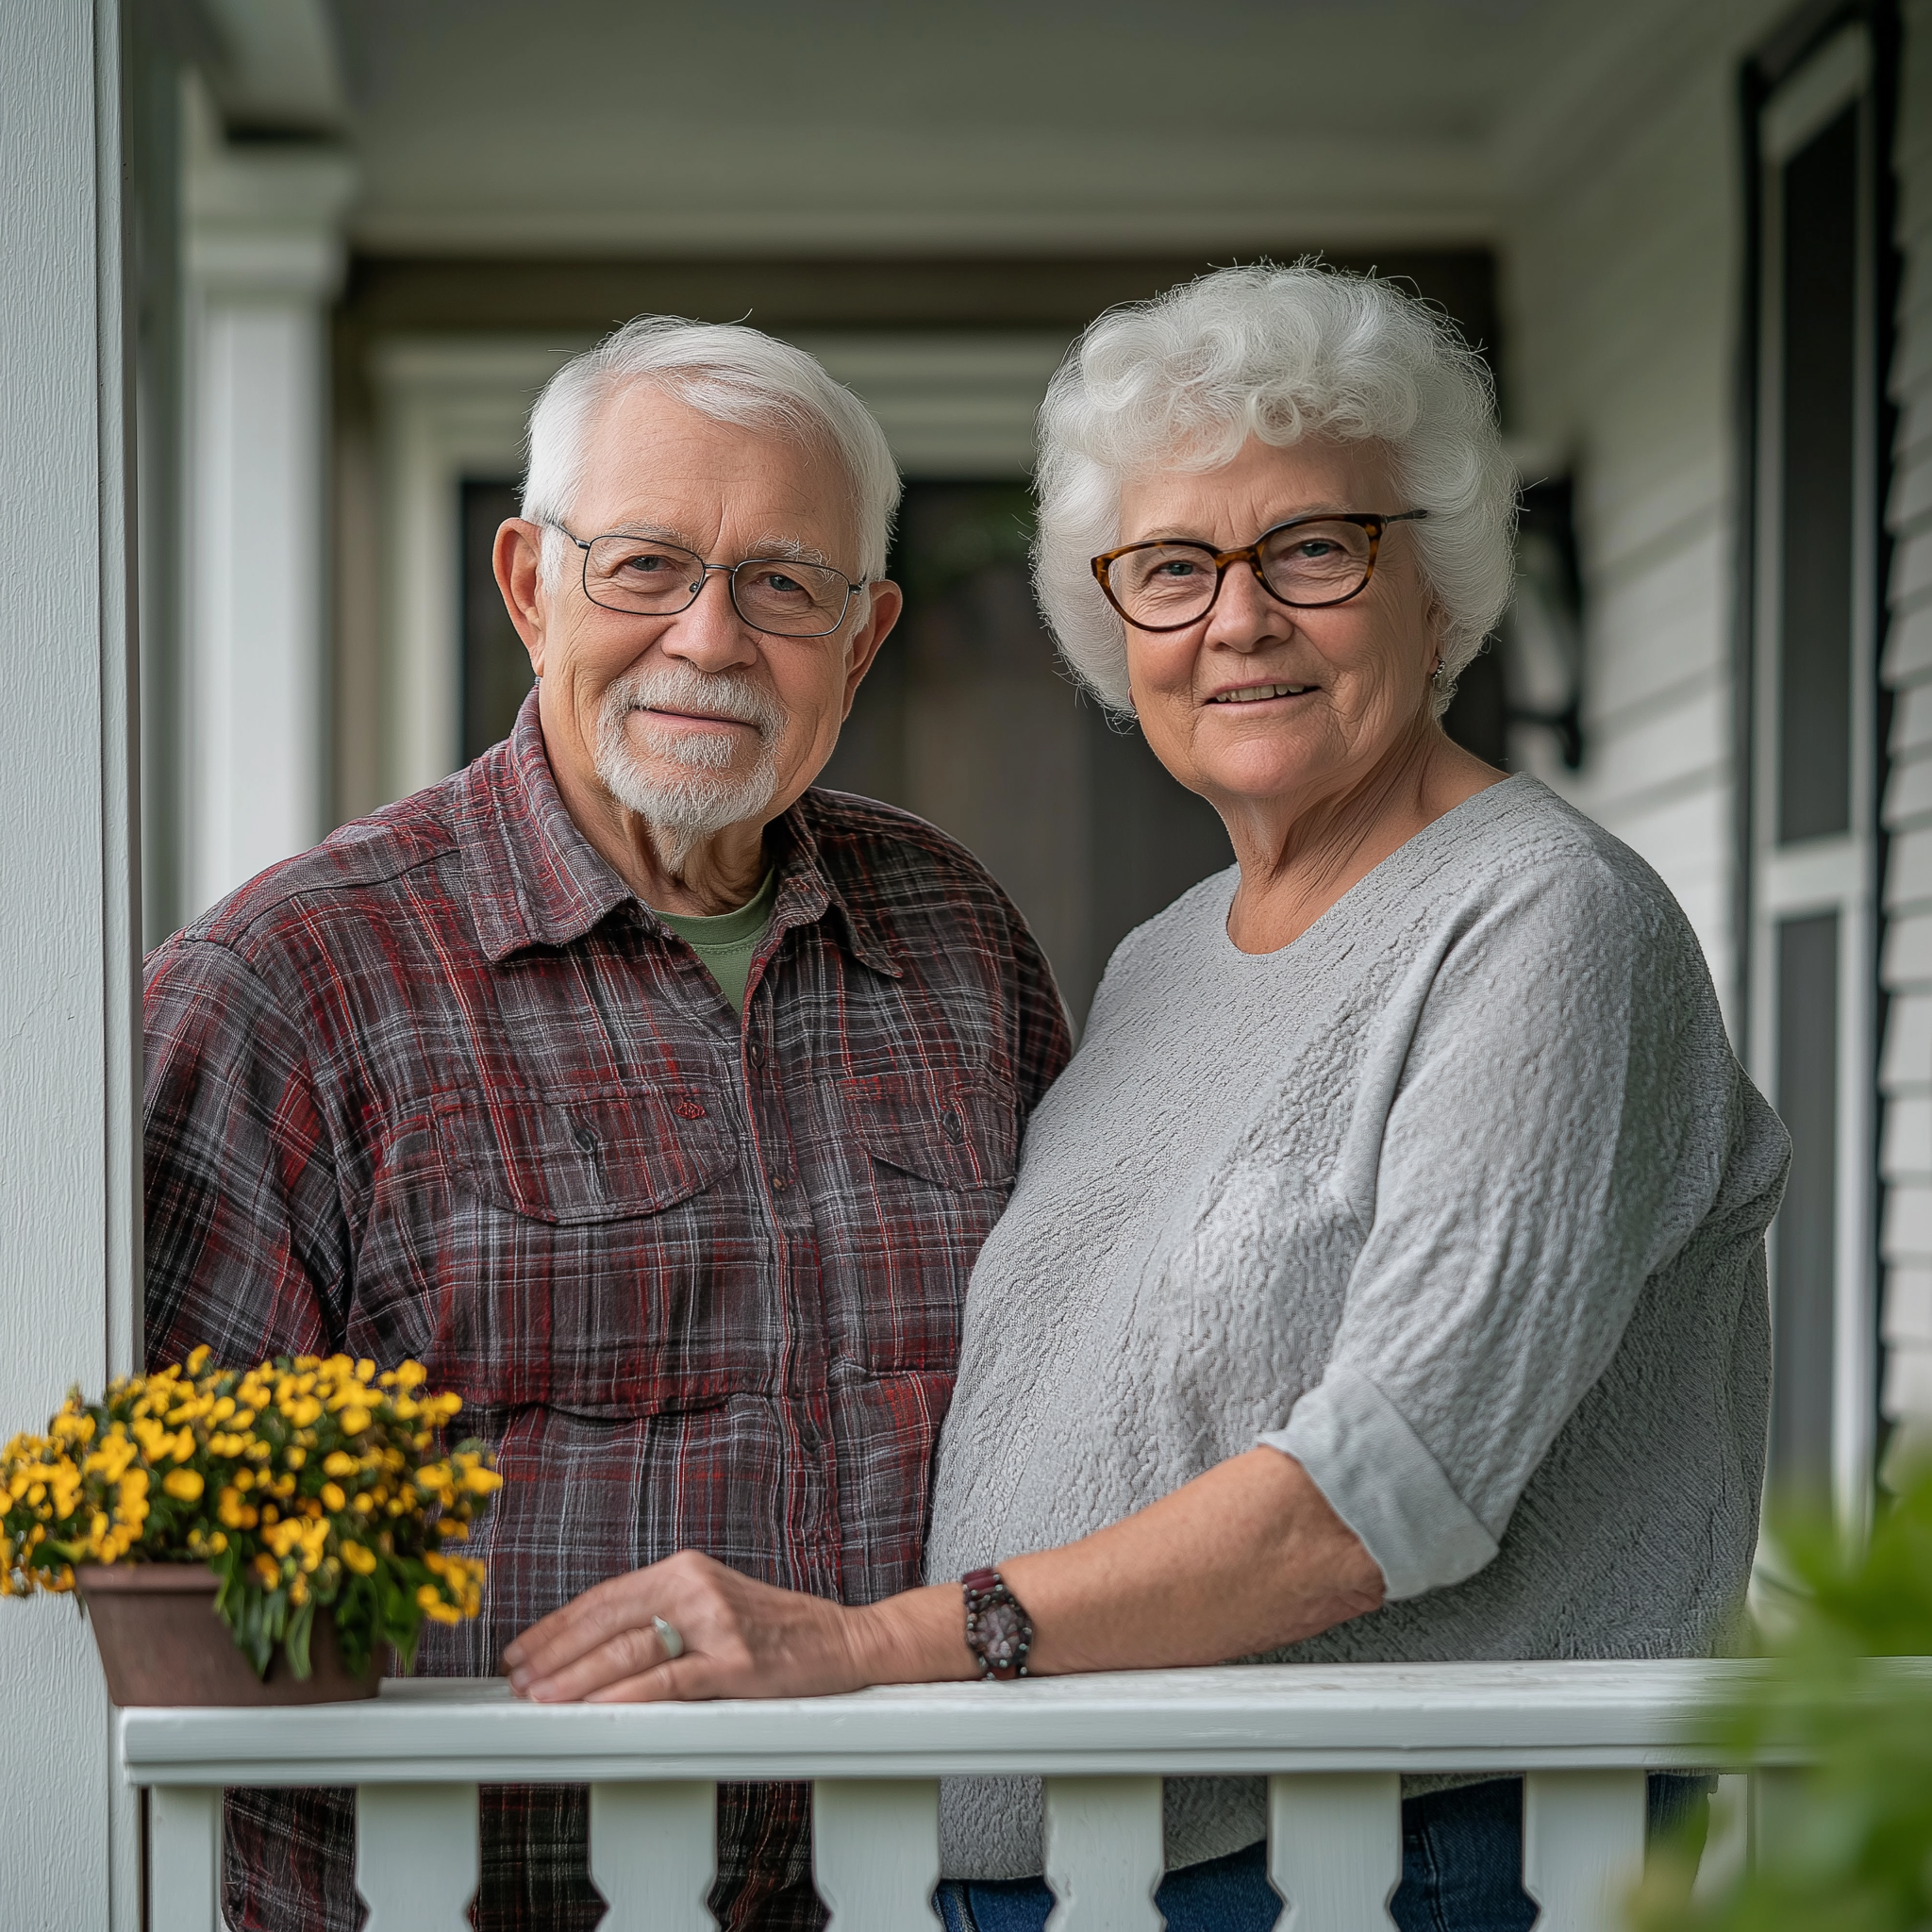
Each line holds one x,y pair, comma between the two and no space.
683,687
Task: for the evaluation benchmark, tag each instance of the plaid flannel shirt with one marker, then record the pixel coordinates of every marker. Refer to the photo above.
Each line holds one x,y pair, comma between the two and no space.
444,1088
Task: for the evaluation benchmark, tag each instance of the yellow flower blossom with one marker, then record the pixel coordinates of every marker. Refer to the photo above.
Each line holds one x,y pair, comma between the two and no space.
208,1464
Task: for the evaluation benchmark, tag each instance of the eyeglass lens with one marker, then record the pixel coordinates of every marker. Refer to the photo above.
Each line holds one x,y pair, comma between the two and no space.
1306,563
772,594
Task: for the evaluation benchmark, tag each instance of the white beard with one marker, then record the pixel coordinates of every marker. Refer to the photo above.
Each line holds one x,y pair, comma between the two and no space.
708,795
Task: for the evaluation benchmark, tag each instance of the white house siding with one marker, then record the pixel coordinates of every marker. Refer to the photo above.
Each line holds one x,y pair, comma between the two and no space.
1623,278
1905,1066
1622,299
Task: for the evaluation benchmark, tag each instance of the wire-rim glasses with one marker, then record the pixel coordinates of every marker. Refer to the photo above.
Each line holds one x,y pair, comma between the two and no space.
781,596
1307,562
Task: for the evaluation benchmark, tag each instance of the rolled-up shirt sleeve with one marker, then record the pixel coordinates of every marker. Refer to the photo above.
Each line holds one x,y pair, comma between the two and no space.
1542,1126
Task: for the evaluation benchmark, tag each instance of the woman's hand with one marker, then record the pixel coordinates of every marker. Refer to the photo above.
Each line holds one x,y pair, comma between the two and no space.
1245,1557
741,1639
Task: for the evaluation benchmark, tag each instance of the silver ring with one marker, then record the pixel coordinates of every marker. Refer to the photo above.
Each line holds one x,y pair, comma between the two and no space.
668,1637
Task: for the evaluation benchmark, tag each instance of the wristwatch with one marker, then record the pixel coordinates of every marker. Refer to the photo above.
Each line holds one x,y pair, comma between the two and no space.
998,1631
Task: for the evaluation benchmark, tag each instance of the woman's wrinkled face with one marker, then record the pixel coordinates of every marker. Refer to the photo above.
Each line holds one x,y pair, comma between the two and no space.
1259,701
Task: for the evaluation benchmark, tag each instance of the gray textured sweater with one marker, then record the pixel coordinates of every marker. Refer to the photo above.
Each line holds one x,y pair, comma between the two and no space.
1460,1200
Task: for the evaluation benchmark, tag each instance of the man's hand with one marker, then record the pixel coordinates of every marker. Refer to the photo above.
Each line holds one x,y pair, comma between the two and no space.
741,1639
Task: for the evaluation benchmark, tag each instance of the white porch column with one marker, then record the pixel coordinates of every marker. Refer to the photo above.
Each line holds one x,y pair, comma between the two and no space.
69,1229
264,259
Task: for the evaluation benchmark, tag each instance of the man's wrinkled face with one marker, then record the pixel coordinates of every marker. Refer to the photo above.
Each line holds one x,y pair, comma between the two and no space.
697,721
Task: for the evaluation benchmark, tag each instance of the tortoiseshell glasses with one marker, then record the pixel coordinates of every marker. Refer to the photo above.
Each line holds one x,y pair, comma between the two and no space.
1307,562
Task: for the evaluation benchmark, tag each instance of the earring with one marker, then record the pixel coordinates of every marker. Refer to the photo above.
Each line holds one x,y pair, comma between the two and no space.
1439,676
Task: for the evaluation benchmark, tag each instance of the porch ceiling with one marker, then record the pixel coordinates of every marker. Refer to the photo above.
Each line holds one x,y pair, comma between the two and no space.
859,126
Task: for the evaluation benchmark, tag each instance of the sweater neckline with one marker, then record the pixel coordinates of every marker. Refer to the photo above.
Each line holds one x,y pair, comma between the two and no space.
1410,854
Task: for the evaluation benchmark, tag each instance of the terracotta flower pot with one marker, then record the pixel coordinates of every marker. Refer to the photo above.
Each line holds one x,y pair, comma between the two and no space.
162,1643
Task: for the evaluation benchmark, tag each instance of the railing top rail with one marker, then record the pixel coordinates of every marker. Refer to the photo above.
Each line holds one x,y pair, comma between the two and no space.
1231,1721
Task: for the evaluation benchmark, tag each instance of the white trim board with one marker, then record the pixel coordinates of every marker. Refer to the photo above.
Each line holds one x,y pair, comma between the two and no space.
449,409
953,405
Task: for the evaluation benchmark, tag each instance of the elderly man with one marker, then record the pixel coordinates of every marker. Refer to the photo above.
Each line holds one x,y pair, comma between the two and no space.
657,1103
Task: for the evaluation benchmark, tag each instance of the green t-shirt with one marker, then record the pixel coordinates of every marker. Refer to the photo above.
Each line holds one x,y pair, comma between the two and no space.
725,942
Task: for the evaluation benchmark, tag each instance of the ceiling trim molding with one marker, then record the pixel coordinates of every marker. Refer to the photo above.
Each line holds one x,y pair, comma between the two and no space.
891,190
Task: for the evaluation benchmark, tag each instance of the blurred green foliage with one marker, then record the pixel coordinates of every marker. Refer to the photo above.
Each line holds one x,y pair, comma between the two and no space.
1849,1844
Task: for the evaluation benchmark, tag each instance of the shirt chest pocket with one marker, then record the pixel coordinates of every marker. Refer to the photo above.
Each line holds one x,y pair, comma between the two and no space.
963,1134
575,1159
938,1155
585,1270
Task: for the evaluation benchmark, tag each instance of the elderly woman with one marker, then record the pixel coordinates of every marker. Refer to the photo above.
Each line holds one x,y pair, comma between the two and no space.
1384,1278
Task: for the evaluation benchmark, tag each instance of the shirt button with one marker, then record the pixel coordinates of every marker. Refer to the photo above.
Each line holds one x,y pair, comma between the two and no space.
754,1053
951,1127
779,1184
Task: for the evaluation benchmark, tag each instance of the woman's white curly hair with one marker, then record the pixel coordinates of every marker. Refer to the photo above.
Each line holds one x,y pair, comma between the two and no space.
1182,383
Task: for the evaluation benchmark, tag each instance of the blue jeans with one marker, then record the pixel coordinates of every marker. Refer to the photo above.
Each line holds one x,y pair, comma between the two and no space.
1461,1872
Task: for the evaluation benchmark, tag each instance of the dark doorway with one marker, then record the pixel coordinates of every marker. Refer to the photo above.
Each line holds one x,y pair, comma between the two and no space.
968,721
497,670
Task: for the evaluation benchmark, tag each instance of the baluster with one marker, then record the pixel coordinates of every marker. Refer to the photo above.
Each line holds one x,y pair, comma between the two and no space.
1582,1846
1776,1806
417,1857
1335,1849
875,1851
1104,1854
653,1854
1727,1845
184,1824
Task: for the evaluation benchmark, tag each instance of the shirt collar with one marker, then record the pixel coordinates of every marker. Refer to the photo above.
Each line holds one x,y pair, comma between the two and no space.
809,887
537,880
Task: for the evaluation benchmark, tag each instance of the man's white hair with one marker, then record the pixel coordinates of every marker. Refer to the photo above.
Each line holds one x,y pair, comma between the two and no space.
1181,382
731,374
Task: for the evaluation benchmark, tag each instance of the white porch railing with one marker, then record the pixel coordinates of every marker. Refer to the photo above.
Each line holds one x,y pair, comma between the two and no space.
1333,1744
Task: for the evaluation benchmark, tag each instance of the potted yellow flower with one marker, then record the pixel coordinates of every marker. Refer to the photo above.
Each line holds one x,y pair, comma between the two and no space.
309,1503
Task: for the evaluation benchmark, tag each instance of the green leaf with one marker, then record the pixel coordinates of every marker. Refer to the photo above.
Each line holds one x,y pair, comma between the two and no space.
1857,1857
300,1626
